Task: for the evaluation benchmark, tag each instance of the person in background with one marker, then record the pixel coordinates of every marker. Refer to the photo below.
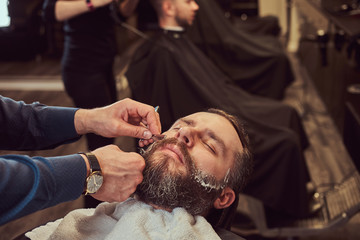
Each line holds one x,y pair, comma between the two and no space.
89,52
245,51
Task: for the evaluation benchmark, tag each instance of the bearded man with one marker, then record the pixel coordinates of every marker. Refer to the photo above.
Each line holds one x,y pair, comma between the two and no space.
197,169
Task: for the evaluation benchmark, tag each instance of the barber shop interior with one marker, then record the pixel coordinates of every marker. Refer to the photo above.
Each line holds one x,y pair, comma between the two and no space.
247,94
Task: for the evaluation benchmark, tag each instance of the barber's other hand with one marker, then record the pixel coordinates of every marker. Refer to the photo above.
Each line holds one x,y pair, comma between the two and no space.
123,118
100,3
122,172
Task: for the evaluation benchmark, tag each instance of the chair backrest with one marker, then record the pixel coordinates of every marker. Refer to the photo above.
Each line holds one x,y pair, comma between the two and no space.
340,204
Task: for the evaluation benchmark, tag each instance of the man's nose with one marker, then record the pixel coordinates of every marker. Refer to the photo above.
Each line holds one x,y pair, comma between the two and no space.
186,135
195,6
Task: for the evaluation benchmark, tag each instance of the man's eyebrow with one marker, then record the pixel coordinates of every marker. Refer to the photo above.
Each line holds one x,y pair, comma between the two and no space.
217,139
210,133
187,121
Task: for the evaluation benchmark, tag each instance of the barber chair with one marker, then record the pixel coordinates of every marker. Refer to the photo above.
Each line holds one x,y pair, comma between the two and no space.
247,7
340,203
244,14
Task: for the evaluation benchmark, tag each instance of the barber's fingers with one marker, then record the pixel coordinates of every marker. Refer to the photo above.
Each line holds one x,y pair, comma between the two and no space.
135,131
142,129
147,115
112,192
122,173
153,123
145,142
100,3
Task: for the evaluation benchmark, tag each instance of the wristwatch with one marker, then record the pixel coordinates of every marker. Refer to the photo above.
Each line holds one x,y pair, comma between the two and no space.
95,179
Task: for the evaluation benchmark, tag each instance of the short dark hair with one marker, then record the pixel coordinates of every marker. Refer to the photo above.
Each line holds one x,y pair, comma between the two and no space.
239,173
243,161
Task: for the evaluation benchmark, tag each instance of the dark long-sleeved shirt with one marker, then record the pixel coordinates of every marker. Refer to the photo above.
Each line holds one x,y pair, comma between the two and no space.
90,40
29,184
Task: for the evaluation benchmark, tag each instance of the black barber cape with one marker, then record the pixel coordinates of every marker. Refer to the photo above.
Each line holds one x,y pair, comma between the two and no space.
169,71
257,63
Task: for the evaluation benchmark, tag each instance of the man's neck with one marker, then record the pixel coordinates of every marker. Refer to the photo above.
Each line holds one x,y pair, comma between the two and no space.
153,205
173,28
170,210
170,24
204,214
158,207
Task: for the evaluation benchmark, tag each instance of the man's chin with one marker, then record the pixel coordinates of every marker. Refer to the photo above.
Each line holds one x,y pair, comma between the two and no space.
174,169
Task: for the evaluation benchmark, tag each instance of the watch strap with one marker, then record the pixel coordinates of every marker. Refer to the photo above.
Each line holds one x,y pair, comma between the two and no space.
93,161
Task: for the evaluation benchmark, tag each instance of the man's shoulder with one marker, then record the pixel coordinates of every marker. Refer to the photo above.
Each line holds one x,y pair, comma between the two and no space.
157,45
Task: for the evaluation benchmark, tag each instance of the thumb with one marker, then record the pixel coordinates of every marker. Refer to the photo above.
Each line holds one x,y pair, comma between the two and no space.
136,131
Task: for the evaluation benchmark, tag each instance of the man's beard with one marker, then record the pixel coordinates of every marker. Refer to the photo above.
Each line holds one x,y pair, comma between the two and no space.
182,22
194,190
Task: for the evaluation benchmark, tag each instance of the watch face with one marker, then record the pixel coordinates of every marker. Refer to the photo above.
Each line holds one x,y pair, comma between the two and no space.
94,182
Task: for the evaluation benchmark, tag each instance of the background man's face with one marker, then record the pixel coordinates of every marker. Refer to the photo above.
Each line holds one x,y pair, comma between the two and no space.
185,12
189,168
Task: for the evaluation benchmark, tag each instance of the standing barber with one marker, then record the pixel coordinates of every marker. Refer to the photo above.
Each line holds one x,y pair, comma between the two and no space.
29,184
89,52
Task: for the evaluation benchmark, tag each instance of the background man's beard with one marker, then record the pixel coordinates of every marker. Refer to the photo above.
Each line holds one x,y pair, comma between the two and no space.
171,190
182,22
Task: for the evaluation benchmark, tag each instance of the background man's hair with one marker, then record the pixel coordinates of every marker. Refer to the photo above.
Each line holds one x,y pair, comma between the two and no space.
243,161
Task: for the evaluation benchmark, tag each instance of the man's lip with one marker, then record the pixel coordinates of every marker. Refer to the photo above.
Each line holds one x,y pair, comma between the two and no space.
175,149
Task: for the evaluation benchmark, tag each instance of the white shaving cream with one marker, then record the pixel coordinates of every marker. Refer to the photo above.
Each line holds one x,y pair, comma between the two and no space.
200,177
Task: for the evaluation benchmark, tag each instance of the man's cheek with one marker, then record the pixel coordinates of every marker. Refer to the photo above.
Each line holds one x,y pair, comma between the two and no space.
206,167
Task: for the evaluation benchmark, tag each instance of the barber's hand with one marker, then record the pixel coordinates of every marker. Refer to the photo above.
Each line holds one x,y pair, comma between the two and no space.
100,3
122,172
123,118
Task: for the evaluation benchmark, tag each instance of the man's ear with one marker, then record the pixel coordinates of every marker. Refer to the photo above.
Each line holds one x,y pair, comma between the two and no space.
226,198
168,7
